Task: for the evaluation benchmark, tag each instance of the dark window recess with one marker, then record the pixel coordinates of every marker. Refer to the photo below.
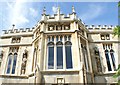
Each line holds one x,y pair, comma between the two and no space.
50,57
59,27
50,28
68,57
102,37
108,60
16,40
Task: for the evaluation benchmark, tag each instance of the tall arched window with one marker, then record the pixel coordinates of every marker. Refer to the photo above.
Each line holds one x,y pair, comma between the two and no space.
59,55
14,63
108,60
68,51
9,63
50,55
113,58
12,59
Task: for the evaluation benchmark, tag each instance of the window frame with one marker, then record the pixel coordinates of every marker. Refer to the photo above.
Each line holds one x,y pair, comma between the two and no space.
59,44
11,64
50,44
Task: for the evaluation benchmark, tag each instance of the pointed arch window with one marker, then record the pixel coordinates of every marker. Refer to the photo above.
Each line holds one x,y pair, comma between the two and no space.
108,60
11,66
9,63
50,55
59,55
68,51
113,58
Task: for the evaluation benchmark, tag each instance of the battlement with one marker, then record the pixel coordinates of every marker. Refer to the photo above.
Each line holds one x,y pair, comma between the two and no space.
21,30
99,27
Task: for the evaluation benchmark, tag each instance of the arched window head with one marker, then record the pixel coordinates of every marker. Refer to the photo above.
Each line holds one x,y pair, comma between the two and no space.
50,44
106,51
59,43
111,51
68,43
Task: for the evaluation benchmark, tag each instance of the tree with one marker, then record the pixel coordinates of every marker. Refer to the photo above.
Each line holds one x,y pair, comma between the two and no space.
116,31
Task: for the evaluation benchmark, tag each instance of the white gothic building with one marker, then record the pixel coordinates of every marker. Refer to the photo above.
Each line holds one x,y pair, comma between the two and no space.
59,49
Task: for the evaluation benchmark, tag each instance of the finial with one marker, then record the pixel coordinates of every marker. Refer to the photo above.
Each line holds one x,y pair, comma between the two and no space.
73,9
13,27
58,10
44,10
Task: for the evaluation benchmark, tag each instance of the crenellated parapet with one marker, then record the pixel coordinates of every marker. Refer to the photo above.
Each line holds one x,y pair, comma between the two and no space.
99,27
21,30
58,16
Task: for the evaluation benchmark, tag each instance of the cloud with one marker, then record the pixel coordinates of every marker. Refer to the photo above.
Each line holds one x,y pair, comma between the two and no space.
10,5
20,20
94,10
33,12
54,9
17,13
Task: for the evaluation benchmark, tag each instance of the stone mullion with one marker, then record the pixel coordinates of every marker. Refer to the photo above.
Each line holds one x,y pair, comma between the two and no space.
64,57
111,64
105,60
55,57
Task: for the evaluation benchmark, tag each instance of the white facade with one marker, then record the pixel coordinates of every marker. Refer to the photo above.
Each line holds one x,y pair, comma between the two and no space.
59,49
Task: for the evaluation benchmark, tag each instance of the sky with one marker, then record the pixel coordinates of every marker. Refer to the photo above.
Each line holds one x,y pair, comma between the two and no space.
26,14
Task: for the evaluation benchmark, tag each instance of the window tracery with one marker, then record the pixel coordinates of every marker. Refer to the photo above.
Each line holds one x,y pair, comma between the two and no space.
12,60
110,58
16,40
62,42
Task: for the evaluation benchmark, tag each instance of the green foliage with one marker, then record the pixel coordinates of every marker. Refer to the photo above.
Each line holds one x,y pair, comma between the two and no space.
116,31
117,74
119,4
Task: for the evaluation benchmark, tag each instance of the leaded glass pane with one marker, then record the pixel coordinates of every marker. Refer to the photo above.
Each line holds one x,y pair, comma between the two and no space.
50,57
9,63
59,57
14,63
108,61
68,57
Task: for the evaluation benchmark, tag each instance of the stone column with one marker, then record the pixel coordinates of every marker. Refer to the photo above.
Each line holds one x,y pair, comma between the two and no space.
64,56
45,63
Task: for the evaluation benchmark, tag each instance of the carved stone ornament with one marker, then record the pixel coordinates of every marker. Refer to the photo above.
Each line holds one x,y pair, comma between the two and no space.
51,28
